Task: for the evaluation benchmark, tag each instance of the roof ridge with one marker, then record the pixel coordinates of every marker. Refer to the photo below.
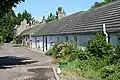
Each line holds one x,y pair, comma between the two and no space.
108,4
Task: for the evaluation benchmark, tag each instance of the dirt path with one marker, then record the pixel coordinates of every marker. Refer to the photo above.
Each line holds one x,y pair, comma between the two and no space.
17,63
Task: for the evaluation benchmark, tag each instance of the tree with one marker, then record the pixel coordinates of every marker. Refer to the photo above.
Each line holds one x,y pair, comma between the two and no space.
6,6
108,1
99,47
98,4
24,15
7,24
51,17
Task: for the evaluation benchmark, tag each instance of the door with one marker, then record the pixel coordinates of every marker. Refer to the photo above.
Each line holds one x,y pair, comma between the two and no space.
46,43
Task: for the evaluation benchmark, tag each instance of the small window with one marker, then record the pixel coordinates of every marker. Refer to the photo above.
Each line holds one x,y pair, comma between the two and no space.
119,39
26,39
75,38
66,38
38,41
58,38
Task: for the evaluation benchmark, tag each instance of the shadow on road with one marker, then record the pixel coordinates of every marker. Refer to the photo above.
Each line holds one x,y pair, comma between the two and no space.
10,61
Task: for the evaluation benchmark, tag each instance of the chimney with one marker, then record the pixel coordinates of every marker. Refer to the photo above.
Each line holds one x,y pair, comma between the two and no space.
60,13
36,22
43,20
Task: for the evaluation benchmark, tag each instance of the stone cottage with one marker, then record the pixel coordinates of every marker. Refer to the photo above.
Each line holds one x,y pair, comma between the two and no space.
78,27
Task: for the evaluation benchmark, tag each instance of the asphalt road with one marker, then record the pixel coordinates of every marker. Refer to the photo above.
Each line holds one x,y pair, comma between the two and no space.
19,63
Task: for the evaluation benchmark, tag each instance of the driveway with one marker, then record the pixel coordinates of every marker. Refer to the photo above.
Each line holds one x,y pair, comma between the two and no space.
18,63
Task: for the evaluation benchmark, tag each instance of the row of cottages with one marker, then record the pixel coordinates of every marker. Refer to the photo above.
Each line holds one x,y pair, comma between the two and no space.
78,27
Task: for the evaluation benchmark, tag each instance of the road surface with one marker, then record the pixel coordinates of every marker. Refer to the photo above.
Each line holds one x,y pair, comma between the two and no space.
18,63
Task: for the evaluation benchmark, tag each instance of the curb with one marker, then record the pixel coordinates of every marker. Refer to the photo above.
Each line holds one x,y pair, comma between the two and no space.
33,50
55,74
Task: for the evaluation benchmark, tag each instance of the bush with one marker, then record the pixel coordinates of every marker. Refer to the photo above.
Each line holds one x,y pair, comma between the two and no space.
107,71
1,39
98,46
115,58
53,51
95,63
111,72
64,50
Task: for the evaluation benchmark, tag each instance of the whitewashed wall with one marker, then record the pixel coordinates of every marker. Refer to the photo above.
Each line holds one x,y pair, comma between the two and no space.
51,40
25,40
33,43
81,39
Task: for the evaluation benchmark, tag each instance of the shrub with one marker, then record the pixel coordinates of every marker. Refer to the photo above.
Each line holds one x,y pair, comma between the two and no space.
64,50
1,39
111,72
53,51
98,46
115,58
79,54
107,71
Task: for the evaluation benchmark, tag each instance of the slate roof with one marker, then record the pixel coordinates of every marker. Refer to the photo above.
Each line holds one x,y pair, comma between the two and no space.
32,30
85,22
53,26
92,21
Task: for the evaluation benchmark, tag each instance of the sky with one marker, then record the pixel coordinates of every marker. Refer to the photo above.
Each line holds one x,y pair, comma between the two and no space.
40,8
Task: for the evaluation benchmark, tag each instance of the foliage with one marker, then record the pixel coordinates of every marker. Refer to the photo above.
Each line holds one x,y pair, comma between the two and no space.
6,6
8,22
98,46
1,39
117,50
98,62
51,17
115,59
65,50
98,4
24,15
111,72
7,26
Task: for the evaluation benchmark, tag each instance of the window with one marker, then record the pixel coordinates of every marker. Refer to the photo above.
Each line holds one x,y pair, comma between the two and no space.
66,38
58,38
46,42
26,39
38,41
75,38
119,39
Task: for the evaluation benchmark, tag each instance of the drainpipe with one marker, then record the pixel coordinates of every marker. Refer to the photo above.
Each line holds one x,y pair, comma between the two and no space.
104,31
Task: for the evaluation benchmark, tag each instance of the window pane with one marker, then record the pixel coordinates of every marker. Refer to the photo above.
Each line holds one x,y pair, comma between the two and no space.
75,38
66,38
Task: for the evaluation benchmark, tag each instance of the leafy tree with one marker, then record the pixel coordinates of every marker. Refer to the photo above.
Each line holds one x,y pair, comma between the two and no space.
6,6
24,15
98,46
108,1
6,25
98,4
51,17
